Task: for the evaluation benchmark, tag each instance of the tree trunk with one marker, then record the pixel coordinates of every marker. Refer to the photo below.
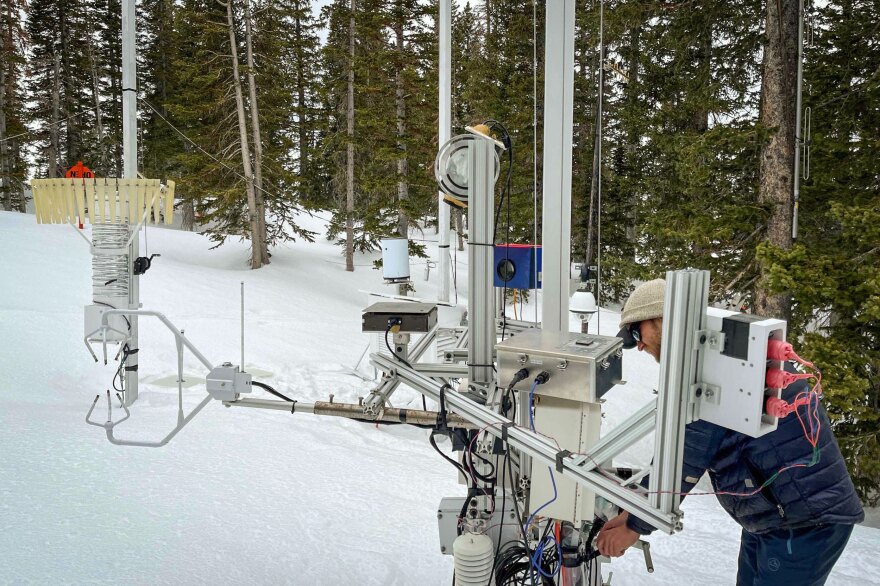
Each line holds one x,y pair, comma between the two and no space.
632,135
5,165
99,121
776,178
257,244
54,141
597,165
188,219
349,163
402,166
304,144
258,141
458,222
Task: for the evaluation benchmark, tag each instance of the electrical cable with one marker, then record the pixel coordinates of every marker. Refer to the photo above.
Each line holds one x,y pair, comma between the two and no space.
522,528
271,390
393,353
540,379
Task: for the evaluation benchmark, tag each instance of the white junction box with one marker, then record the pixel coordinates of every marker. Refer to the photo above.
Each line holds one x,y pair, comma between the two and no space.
731,389
226,382
575,427
582,368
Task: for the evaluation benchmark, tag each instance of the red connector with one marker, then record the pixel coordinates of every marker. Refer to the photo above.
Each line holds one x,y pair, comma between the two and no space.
776,407
779,379
782,351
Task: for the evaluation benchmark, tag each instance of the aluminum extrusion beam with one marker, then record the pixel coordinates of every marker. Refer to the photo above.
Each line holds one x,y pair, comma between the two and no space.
444,131
481,294
375,401
620,438
558,117
435,370
534,445
129,171
687,294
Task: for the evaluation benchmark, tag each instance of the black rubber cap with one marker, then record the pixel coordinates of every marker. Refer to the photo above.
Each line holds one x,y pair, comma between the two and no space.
628,341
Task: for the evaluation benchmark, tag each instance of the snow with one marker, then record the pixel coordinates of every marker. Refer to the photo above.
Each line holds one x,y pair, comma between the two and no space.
243,496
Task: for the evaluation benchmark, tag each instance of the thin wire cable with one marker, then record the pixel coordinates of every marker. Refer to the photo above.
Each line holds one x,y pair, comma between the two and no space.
109,271
26,132
219,161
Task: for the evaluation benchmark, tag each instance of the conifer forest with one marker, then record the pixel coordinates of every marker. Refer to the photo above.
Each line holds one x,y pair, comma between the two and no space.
263,109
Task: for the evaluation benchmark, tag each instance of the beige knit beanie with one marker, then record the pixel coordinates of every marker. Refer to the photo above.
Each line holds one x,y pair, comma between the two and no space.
646,302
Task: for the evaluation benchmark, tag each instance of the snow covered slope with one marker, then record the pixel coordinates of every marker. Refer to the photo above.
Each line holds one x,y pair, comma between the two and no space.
242,496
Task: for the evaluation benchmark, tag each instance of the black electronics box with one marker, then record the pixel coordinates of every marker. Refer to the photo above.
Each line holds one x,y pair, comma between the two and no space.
414,318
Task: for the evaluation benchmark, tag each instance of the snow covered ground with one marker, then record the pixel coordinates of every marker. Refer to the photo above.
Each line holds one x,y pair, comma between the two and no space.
244,496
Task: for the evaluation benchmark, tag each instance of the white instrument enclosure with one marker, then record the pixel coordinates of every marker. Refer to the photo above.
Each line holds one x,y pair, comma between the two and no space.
731,389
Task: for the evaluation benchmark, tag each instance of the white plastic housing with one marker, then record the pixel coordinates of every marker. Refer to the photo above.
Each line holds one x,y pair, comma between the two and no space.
733,393
474,556
227,382
395,259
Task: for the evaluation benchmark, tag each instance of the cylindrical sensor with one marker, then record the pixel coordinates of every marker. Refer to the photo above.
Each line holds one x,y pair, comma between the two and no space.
395,259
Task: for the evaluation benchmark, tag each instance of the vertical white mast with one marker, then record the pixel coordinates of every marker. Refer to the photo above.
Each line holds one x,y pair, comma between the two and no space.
129,154
443,134
558,114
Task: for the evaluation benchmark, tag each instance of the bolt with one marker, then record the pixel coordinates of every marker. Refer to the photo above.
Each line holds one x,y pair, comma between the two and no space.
710,393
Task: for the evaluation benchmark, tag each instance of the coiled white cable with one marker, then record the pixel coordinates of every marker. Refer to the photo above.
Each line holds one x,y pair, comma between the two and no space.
110,272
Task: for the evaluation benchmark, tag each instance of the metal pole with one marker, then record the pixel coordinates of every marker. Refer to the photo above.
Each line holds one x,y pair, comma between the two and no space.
481,298
242,326
797,123
129,171
443,134
687,293
558,113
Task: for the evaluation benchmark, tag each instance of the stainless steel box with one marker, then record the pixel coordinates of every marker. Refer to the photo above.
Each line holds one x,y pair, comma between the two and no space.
582,367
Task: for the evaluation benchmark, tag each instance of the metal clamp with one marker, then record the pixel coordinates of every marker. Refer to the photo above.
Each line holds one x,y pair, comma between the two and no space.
709,339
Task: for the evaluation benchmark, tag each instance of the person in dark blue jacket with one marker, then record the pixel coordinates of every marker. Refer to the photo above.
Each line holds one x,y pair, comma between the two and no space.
797,525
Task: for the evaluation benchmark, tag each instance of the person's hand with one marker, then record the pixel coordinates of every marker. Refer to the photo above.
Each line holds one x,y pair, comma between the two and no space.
615,537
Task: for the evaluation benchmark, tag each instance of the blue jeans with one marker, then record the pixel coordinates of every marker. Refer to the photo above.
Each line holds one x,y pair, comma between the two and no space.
789,557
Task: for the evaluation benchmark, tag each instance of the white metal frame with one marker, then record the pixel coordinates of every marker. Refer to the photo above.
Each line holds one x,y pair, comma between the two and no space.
558,123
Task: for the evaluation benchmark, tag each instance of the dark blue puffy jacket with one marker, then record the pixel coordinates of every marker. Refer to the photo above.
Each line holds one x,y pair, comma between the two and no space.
799,497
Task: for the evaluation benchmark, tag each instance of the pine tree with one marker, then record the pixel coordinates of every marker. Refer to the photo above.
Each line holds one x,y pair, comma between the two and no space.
13,165
832,271
59,102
